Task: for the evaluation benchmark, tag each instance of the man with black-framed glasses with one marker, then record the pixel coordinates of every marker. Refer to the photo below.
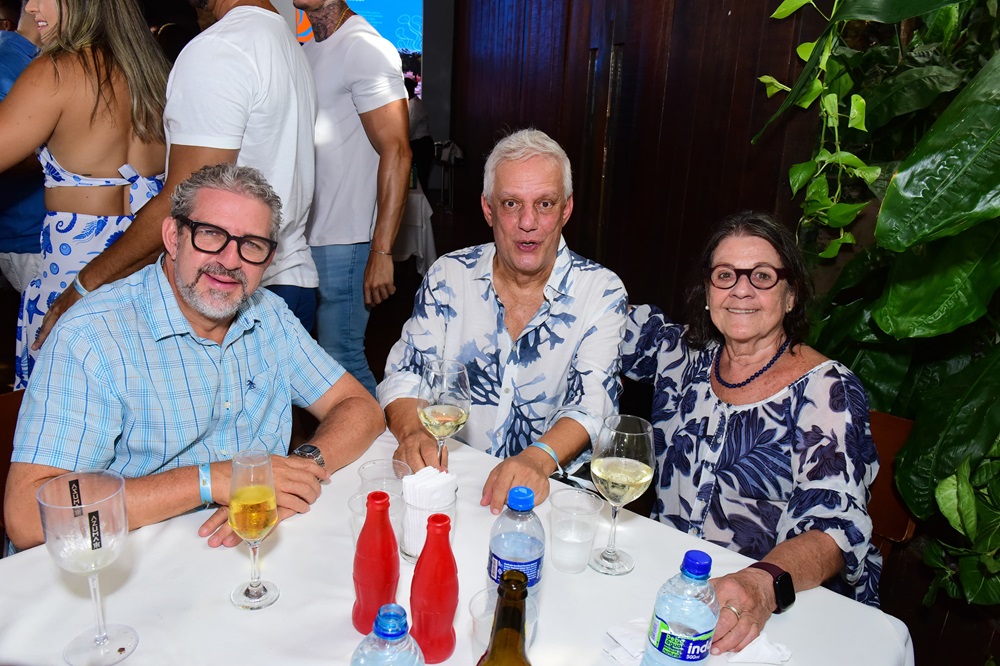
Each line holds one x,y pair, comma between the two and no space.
164,375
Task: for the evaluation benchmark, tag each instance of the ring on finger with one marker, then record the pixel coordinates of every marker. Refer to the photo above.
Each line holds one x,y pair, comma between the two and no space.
733,608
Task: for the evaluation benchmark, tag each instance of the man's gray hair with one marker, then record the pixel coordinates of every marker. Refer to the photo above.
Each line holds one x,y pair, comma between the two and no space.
523,145
232,178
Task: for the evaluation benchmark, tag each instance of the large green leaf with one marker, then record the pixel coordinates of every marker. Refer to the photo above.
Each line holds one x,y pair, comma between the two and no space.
979,585
881,371
886,11
945,285
956,421
909,91
951,180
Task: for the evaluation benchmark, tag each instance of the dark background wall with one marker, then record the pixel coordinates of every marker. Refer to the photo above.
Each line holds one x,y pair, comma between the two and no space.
655,102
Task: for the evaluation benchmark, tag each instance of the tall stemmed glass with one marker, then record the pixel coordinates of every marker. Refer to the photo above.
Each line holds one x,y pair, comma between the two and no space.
444,399
253,513
622,467
84,520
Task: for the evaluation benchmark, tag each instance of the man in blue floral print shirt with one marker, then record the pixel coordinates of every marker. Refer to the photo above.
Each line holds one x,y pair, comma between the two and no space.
537,327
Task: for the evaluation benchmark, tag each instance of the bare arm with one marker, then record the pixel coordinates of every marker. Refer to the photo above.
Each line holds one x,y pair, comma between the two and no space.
811,558
30,112
142,242
532,467
388,130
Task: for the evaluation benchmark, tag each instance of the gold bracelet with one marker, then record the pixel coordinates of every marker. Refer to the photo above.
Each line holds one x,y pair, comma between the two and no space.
384,254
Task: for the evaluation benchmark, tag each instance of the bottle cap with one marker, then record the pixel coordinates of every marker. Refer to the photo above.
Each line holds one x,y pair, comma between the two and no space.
390,623
520,498
697,564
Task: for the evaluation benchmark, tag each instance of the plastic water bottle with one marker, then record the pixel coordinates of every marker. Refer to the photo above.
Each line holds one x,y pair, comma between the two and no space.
388,644
517,541
684,616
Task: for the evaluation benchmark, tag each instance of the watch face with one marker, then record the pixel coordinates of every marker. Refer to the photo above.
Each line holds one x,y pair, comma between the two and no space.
784,592
311,452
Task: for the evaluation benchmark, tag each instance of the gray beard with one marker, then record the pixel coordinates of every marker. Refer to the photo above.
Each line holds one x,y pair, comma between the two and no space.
211,306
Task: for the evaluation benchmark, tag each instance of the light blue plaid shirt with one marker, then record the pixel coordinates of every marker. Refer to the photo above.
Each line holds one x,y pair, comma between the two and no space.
124,383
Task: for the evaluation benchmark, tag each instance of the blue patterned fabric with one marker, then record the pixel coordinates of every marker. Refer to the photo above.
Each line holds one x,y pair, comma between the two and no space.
750,476
69,241
124,383
564,364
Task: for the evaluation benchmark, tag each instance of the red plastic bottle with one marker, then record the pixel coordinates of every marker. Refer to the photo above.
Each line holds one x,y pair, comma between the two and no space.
376,564
434,593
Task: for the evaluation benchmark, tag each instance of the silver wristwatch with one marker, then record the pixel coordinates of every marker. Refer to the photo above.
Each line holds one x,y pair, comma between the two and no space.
311,452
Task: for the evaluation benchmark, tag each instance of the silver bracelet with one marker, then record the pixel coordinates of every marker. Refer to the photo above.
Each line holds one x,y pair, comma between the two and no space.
384,254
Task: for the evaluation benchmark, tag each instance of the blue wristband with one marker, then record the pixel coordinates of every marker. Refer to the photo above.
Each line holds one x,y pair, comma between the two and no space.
205,483
80,289
548,449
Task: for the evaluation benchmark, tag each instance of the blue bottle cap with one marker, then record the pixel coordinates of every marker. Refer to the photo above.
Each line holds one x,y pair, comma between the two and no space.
520,498
390,623
697,564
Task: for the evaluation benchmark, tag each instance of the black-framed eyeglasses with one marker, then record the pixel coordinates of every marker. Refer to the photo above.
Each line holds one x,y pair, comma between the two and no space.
211,239
761,276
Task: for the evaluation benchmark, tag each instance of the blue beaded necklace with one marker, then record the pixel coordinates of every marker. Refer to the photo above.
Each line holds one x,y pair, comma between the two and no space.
718,376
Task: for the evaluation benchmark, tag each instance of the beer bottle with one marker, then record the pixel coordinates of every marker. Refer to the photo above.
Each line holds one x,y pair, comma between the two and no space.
507,640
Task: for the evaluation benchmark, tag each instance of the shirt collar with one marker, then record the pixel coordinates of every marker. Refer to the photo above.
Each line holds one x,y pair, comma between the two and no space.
166,318
560,279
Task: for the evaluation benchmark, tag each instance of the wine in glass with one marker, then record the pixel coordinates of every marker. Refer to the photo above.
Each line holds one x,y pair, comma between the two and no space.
622,468
444,399
84,521
253,513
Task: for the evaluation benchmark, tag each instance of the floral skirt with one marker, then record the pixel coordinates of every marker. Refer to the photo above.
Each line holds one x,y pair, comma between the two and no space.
69,242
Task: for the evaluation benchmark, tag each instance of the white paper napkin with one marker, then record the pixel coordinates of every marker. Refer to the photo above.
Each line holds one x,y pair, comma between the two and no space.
760,651
424,493
628,641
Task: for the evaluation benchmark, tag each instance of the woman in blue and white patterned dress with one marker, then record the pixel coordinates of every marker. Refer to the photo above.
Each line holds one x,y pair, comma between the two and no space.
91,107
762,443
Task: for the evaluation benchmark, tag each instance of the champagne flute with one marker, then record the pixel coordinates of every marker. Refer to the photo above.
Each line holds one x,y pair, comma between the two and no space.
84,521
444,399
253,513
622,468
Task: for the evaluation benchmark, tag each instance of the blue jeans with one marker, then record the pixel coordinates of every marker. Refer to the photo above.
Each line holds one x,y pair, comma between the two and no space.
341,314
300,300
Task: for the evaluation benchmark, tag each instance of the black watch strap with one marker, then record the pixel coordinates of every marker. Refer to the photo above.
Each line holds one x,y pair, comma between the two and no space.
784,589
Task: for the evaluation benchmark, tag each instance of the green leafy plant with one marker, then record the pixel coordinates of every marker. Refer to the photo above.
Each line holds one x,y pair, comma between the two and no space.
908,94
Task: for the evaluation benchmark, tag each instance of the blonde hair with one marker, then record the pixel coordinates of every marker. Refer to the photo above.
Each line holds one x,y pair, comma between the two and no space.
111,38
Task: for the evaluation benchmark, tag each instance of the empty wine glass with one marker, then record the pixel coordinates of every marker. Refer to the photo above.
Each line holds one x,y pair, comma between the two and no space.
622,467
253,513
85,524
444,399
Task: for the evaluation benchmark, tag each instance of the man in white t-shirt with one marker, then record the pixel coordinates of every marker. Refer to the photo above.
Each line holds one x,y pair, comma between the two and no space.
362,175
240,92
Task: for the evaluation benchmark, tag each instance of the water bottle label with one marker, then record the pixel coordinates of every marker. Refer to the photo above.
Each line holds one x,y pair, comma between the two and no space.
531,568
681,648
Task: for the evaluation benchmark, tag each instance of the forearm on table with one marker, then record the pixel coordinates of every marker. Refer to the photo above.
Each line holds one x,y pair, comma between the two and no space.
348,429
567,438
811,558
139,246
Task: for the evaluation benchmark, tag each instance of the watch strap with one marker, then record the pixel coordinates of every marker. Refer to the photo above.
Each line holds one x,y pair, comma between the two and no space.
772,569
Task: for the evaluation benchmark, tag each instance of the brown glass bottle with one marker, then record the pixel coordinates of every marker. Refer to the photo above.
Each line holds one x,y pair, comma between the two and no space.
507,640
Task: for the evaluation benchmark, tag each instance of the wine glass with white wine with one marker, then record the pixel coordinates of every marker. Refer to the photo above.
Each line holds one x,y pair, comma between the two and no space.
444,399
253,513
85,524
621,468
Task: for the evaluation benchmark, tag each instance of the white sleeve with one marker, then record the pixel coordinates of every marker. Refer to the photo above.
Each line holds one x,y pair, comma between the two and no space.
373,74
210,95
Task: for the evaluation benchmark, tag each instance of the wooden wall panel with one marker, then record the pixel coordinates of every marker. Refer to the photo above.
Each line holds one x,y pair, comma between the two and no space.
655,102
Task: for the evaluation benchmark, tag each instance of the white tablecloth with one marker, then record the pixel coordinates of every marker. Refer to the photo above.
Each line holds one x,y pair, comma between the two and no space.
416,237
174,590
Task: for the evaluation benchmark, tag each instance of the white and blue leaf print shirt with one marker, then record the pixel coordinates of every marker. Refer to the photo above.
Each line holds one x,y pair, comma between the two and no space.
748,477
564,364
